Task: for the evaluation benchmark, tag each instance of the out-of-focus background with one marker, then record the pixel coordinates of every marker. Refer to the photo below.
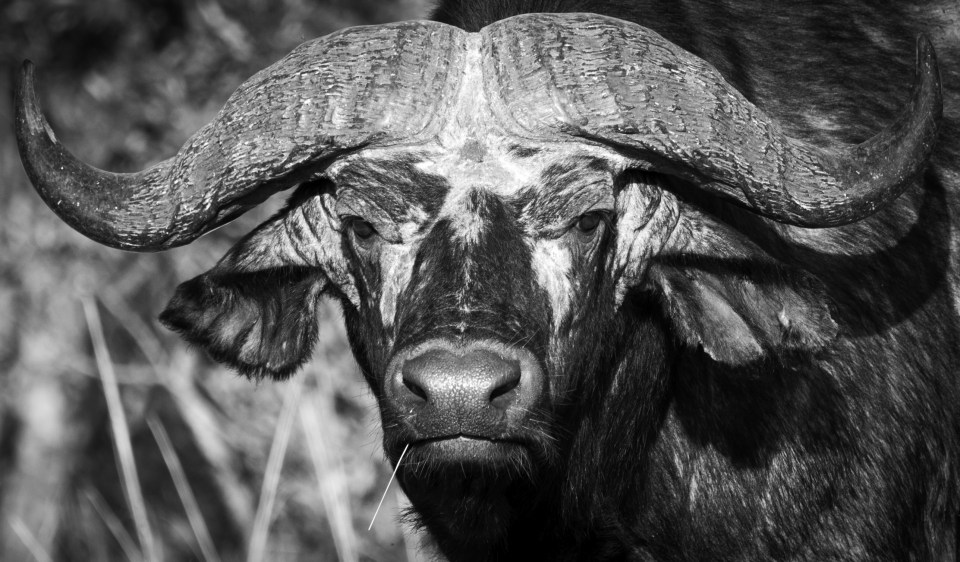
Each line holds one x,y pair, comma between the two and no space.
117,441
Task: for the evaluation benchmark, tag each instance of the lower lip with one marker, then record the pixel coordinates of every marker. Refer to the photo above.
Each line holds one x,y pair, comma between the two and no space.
468,450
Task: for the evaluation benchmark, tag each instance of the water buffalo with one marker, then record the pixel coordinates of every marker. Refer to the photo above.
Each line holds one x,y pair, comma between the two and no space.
676,284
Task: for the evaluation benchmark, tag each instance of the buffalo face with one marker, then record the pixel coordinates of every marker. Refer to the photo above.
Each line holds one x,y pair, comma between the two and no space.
474,287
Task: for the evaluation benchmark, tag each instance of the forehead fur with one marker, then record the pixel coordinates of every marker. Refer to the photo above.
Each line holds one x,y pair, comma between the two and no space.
546,183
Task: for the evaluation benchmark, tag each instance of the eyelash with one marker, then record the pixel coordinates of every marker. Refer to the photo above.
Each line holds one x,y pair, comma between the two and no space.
361,229
587,224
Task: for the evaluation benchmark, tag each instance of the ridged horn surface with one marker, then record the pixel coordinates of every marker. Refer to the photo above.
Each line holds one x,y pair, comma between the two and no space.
282,126
618,83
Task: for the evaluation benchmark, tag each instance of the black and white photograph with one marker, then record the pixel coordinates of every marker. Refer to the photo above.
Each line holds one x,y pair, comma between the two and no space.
479,280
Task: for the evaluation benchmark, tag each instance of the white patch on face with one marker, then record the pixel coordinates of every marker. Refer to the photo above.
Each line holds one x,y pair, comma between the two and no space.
396,265
463,294
552,264
398,268
467,225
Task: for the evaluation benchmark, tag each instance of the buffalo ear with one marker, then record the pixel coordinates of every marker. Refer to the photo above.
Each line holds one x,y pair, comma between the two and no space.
724,293
256,309
261,323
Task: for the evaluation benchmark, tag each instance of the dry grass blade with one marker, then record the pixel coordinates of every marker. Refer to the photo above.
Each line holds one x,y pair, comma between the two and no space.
30,541
335,502
271,477
387,489
121,433
180,481
210,433
113,524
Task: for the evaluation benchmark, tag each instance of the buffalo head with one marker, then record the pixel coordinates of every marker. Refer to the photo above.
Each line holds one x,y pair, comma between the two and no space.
505,216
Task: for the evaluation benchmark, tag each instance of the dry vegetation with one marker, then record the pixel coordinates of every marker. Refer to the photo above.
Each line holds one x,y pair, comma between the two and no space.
116,441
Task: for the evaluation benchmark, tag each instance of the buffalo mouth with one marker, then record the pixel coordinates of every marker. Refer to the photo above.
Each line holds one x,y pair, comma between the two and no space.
467,464
465,452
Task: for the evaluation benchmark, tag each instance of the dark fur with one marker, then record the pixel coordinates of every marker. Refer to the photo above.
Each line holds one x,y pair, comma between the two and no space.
667,440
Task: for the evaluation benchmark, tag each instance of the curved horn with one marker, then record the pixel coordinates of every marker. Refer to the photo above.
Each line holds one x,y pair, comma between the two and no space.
281,127
618,83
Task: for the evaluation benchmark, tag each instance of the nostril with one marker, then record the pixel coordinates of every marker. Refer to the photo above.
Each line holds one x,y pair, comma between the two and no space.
503,392
504,389
415,388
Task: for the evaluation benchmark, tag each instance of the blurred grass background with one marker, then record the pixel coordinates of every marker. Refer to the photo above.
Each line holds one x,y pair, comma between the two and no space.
93,389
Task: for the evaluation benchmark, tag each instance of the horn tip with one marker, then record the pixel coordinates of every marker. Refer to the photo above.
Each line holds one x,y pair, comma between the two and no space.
928,86
924,46
29,115
926,57
26,82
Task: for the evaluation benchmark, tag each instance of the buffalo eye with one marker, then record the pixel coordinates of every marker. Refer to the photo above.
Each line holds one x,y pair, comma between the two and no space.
587,223
362,230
